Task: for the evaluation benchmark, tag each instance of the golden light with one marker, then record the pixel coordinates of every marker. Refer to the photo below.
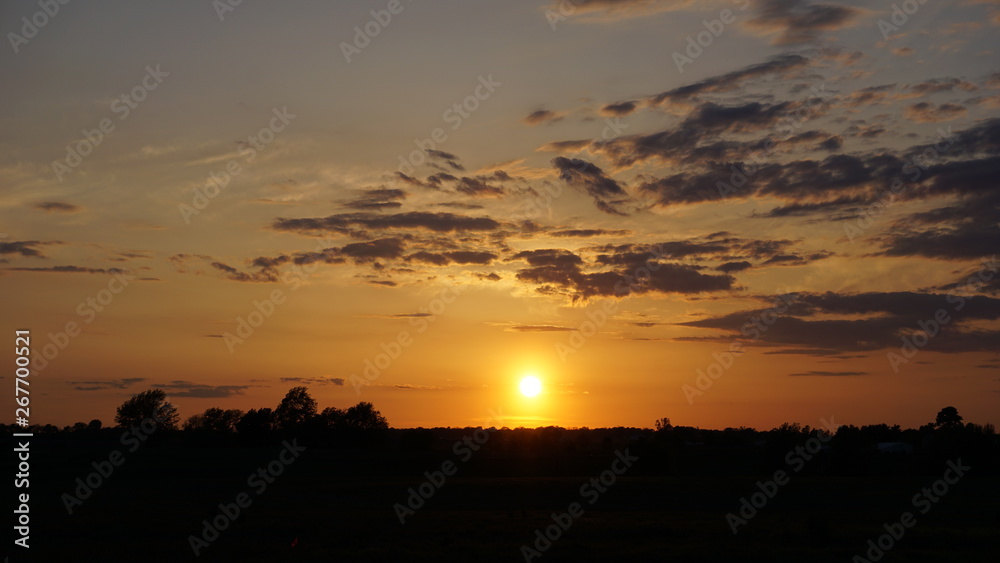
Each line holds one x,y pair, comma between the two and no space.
531,386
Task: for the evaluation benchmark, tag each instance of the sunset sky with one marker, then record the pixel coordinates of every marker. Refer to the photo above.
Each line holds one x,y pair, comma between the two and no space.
578,191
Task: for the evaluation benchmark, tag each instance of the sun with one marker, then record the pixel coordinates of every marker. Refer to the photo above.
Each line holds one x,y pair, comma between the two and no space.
531,386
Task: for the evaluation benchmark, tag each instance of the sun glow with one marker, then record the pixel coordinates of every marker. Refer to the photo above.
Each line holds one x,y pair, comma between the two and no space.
531,386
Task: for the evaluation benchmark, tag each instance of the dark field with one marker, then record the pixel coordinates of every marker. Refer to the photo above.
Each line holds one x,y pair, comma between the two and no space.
337,505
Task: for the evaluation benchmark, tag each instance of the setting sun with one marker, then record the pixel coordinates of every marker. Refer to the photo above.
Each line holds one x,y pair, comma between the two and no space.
531,386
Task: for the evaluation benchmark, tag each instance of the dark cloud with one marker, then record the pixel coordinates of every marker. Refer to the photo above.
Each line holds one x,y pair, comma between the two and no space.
880,321
322,380
566,146
829,373
730,267
561,271
541,116
582,233
367,252
56,207
448,158
377,199
437,222
784,66
587,177
926,112
698,137
436,180
619,109
476,187
936,85
803,209
539,328
454,257
793,22
71,270
459,205
236,275
180,388
101,385
23,247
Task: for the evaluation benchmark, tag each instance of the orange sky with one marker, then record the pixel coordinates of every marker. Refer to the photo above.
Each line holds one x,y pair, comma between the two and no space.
571,204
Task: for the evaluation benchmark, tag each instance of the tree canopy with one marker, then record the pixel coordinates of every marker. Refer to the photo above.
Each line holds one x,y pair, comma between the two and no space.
151,404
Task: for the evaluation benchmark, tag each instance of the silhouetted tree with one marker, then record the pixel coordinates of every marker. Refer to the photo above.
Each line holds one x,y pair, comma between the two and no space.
94,425
215,420
363,416
148,404
948,417
331,417
256,422
663,424
295,409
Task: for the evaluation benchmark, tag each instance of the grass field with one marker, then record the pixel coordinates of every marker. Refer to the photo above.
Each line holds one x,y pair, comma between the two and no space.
334,505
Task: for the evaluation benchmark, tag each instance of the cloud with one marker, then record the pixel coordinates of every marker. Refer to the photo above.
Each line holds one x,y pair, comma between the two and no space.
730,267
453,257
322,380
541,116
71,270
572,146
582,233
56,207
539,328
437,222
476,187
448,158
870,321
925,112
783,66
794,22
181,388
24,248
585,176
829,373
377,199
619,109
561,271
610,10
101,385
698,138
